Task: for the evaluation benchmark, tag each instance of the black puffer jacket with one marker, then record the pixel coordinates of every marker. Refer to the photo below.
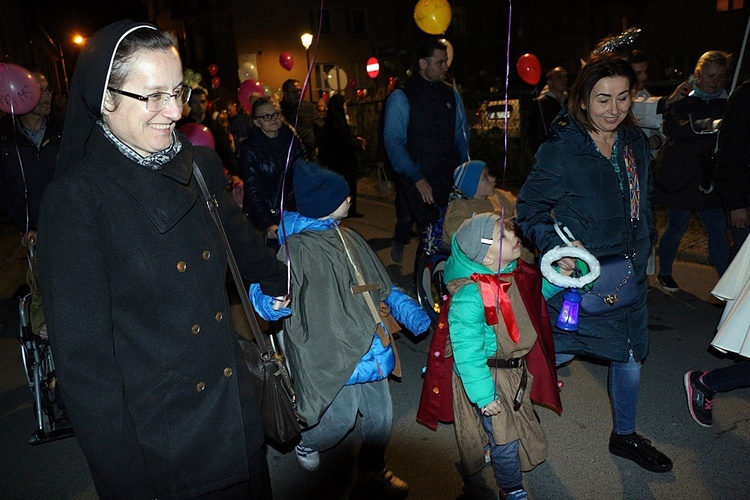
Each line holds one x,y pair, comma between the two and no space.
262,164
24,189
573,181
680,162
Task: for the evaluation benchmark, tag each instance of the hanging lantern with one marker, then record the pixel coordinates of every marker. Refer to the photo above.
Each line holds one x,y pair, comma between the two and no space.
373,67
568,318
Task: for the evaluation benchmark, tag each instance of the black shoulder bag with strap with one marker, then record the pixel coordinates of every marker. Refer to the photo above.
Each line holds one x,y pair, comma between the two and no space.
272,384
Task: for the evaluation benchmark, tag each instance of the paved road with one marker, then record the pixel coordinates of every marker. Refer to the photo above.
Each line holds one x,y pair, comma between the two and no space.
709,463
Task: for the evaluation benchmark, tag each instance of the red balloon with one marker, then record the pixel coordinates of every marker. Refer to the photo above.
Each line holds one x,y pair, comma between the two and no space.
19,90
247,89
529,69
215,82
352,82
198,134
286,60
213,69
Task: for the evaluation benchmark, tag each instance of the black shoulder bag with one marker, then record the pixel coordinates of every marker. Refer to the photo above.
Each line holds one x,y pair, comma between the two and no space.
271,381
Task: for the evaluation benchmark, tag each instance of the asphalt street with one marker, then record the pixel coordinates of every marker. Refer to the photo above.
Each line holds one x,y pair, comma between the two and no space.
708,462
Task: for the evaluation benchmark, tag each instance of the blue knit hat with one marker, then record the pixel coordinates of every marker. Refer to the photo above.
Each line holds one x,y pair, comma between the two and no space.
466,177
318,192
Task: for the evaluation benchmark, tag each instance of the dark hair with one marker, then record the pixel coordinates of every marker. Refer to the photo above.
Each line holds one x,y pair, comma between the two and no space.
199,91
637,56
143,39
600,66
288,85
262,102
428,48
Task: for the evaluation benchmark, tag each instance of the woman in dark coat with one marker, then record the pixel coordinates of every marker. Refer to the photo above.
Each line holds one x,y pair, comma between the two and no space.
263,161
133,277
593,177
691,127
340,148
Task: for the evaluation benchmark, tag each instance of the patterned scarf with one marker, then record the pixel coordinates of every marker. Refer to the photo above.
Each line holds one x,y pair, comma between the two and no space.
155,161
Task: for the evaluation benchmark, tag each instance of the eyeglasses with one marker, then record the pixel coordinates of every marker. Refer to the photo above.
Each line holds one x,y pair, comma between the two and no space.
158,101
269,116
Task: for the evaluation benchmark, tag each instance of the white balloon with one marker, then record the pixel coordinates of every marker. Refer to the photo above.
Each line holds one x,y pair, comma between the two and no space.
248,70
449,46
337,78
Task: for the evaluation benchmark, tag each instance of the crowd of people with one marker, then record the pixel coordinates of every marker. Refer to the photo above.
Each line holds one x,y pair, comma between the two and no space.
133,272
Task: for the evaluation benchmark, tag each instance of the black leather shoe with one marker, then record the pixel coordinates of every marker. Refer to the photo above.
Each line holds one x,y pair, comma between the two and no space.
640,450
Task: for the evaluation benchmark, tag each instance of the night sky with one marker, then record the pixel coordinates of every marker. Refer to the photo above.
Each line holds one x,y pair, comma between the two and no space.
64,18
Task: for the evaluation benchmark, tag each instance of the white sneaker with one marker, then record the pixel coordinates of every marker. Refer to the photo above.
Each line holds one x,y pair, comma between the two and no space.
308,458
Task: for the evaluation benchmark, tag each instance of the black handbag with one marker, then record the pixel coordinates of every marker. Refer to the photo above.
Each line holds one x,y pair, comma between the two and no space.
615,288
272,384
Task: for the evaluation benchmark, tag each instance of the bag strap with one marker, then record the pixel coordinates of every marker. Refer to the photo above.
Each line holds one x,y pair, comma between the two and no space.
213,208
365,290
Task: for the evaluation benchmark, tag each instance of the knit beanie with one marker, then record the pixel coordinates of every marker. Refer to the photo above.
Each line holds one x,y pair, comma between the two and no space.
318,192
474,237
466,177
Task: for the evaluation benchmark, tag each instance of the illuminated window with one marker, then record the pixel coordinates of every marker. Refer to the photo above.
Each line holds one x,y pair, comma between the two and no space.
727,5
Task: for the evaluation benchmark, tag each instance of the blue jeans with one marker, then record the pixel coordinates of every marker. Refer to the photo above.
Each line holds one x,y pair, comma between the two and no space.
624,385
728,378
506,464
373,401
714,221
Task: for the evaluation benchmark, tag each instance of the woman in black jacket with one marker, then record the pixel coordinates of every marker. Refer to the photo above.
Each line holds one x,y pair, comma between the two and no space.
684,184
272,145
340,147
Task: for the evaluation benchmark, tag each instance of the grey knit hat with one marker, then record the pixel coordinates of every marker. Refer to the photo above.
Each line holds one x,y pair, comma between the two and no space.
474,237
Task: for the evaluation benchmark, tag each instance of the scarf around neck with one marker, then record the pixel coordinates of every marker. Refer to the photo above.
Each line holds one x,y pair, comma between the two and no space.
155,161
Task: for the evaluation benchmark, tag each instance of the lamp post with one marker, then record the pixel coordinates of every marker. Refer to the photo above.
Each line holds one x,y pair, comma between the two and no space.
307,39
64,88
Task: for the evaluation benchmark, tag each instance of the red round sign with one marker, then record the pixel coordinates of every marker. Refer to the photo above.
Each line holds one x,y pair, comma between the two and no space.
373,67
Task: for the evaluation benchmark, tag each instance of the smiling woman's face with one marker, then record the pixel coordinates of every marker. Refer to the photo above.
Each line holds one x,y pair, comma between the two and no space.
147,132
608,103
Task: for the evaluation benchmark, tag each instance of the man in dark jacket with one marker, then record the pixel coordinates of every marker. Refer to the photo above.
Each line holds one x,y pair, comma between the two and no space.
224,147
426,137
546,107
302,115
28,152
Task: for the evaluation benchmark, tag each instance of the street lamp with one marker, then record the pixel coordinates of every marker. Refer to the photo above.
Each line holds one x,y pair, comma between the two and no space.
307,40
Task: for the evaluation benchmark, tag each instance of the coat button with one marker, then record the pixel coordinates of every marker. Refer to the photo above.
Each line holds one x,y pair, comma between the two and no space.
200,386
436,390
219,316
227,372
196,329
206,255
181,266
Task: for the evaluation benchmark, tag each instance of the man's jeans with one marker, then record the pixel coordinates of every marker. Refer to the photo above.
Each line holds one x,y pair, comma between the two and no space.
373,401
715,223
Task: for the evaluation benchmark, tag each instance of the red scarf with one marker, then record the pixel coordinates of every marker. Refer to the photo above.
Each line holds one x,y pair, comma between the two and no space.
494,293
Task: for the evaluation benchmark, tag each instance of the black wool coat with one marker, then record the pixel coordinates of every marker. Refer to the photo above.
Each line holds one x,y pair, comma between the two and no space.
133,276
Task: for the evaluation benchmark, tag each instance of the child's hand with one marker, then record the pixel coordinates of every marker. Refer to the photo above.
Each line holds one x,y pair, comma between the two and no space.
279,302
492,409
